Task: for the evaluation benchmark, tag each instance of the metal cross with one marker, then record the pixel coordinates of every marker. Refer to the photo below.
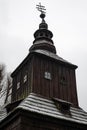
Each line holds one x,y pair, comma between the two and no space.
41,8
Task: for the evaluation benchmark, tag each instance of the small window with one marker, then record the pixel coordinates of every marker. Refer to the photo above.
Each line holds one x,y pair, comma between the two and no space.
25,78
47,75
63,80
18,85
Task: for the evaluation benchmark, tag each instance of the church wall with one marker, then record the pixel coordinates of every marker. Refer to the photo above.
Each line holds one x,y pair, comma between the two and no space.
61,83
22,82
40,122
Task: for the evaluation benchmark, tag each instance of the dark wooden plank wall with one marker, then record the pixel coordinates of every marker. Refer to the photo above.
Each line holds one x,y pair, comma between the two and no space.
48,123
25,88
36,82
65,90
13,125
34,121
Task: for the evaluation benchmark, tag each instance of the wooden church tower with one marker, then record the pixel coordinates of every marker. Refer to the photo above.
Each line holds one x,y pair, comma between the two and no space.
44,95
43,72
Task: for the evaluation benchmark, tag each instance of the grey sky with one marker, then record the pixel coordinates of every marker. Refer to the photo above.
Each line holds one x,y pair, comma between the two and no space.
67,19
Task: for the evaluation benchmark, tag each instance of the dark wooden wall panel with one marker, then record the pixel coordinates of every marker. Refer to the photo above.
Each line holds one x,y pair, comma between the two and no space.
74,92
39,122
68,85
13,125
25,87
47,123
62,85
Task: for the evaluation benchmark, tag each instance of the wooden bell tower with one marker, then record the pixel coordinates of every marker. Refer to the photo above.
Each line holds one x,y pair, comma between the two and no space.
43,72
47,83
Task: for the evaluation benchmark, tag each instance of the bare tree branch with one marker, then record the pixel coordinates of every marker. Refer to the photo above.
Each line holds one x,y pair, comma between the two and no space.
5,84
9,84
2,74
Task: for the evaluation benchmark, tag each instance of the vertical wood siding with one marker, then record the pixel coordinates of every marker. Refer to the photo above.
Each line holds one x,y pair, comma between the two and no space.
62,85
25,87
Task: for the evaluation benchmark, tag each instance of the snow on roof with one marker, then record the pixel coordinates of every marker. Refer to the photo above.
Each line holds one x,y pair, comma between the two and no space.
47,107
38,104
53,56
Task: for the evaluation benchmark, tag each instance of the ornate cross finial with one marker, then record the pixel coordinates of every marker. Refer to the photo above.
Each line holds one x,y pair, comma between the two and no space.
41,8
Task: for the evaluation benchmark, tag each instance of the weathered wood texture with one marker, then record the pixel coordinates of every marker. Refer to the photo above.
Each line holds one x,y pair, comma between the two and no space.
34,121
61,85
25,86
14,124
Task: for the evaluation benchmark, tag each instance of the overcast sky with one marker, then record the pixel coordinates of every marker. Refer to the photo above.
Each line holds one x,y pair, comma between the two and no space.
67,19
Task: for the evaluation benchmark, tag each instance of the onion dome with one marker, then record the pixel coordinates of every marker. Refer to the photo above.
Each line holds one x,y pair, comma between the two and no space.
43,36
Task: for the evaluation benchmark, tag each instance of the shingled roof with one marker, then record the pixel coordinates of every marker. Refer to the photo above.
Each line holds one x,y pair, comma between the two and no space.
47,54
54,57
47,107
40,105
